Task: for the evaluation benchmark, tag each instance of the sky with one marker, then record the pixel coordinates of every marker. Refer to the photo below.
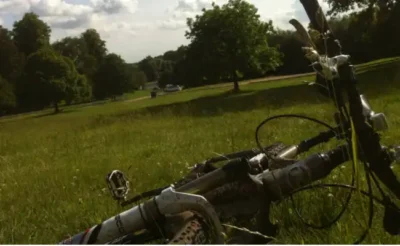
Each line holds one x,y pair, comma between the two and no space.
136,28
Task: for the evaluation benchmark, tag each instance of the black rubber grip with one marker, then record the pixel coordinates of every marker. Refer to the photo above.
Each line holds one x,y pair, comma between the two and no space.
279,183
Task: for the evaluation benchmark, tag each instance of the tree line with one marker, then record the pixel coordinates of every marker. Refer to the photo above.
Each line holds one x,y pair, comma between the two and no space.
227,43
35,74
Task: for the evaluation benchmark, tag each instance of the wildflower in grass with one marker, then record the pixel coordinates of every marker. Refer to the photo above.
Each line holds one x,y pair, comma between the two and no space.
342,166
330,195
75,178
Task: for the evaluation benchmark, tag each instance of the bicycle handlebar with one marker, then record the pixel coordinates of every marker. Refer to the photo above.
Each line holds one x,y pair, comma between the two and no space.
276,183
117,226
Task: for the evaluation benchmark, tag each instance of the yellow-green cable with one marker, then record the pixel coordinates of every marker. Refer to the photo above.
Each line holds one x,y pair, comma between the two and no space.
354,145
355,153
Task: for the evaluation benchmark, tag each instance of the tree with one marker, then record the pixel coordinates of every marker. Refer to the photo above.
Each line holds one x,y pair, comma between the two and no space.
347,5
49,77
87,51
234,40
175,55
95,46
77,88
293,60
191,70
11,60
85,64
387,33
72,47
148,66
138,77
7,96
31,34
84,90
113,78
166,78
93,50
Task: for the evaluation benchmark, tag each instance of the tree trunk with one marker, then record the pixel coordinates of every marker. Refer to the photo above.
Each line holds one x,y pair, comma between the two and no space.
56,109
236,86
234,74
235,82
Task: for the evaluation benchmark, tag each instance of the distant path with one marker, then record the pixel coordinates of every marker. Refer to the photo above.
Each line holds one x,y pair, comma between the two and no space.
136,99
277,78
246,82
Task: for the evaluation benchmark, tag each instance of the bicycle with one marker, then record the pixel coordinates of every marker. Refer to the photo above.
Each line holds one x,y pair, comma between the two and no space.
191,210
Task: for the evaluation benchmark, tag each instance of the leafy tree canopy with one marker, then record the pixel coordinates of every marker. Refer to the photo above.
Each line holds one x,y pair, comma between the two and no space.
234,39
31,34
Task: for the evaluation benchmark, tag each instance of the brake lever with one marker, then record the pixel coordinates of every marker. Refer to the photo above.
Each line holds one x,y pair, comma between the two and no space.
173,202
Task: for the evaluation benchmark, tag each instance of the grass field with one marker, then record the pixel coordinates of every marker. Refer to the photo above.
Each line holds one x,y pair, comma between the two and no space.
53,166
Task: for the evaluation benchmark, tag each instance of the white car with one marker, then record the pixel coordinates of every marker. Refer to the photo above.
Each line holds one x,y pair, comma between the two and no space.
172,88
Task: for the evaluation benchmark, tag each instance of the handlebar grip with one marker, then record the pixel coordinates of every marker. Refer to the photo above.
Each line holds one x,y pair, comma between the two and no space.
279,183
318,21
107,231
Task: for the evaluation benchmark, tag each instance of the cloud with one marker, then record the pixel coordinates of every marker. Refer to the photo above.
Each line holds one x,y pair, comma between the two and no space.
185,9
203,4
67,22
194,5
111,18
189,8
184,15
114,6
64,15
185,5
58,8
172,24
14,6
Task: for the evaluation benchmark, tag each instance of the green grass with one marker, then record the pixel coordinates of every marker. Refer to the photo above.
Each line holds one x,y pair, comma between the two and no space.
137,94
53,166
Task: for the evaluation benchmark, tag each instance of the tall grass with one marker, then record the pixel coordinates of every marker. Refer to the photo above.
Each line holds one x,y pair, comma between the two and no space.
53,166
